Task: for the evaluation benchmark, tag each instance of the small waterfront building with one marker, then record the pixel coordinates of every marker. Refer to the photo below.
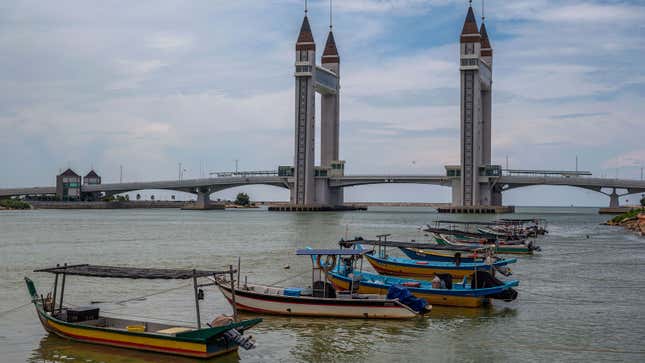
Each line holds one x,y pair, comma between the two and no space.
91,178
68,185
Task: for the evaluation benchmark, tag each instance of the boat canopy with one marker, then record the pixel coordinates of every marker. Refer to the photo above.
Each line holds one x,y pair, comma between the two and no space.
469,223
120,272
419,245
335,252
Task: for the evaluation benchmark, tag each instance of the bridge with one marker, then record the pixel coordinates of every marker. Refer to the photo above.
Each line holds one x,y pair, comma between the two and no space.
205,186
475,182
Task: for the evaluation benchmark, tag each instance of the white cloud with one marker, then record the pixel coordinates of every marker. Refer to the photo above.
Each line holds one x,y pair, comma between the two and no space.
635,158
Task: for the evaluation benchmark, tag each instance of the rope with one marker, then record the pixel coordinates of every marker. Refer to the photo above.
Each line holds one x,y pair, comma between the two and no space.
140,298
14,309
287,279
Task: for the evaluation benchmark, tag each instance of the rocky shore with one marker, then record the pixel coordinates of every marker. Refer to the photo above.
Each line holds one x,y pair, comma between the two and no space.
633,220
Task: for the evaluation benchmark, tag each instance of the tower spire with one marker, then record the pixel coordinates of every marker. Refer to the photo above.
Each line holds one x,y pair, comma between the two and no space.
470,31
306,9
305,37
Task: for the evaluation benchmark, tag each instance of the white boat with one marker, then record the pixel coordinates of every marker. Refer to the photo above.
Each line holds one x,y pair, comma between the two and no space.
321,300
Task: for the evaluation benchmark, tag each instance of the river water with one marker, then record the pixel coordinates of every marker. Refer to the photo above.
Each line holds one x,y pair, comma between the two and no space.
580,299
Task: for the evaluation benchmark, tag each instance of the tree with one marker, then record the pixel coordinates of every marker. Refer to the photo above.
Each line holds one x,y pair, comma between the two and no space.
243,199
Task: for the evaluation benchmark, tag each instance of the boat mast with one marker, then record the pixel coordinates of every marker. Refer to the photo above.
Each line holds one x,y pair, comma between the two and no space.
62,290
199,322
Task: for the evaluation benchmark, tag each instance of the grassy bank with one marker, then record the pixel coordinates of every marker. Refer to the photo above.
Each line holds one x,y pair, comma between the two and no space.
14,204
626,216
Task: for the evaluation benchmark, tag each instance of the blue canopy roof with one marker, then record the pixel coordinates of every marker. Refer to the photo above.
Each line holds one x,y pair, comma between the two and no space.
344,252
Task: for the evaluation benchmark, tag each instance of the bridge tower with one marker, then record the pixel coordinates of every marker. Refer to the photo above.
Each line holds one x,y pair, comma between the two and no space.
475,188
330,122
303,189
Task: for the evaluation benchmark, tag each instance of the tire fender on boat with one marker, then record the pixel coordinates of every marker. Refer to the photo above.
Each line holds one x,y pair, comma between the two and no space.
329,264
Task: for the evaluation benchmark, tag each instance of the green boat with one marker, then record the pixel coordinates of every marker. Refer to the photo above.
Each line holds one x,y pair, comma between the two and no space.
462,241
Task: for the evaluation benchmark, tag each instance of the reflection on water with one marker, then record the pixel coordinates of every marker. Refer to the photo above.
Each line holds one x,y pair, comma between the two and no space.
579,299
327,340
54,349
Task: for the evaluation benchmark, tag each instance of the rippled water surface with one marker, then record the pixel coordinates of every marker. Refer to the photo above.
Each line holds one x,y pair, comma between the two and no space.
581,299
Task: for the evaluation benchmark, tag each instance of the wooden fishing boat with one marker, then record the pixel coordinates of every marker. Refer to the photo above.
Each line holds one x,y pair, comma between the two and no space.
446,256
397,266
458,294
319,300
88,325
451,241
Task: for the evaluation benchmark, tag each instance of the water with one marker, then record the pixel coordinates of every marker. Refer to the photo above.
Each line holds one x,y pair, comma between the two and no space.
581,299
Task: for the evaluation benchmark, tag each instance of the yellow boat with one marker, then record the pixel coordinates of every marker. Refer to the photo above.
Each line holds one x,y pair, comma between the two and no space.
87,325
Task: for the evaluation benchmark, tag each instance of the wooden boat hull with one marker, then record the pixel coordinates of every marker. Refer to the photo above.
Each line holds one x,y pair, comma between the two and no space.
427,255
194,346
317,307
433,299
412,268
501,249
446,297
133,341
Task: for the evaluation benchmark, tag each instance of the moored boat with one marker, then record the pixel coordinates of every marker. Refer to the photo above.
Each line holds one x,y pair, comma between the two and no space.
319,300
447,256
460,294
452,241
396,266
88,325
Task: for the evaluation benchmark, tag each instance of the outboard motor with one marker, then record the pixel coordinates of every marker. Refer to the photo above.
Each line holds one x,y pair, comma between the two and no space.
483,279
245,342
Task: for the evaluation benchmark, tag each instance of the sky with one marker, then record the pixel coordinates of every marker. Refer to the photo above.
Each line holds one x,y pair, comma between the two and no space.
149,84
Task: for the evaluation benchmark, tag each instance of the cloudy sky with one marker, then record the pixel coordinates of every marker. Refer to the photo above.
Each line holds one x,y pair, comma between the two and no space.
148,84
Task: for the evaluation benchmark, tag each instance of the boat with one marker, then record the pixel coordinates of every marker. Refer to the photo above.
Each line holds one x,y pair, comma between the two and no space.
321,299
90,325
461,294
447,256
397,266
454,242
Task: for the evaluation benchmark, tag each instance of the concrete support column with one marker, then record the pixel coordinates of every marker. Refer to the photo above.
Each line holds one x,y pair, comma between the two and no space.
613,199
203,198
496,196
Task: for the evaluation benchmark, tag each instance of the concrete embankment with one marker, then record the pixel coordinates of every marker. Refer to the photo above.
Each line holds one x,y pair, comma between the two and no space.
107,205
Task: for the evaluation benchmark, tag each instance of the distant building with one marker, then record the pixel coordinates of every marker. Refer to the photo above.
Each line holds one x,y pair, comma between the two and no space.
68,185
91,178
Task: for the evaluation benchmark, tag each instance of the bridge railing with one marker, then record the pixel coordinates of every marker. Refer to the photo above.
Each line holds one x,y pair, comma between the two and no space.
562,173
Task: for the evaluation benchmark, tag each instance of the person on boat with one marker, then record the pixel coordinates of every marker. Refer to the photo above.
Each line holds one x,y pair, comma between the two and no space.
438,283
457,259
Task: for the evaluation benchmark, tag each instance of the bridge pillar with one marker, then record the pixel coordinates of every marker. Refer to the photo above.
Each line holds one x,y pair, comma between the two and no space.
496,196
613,199
203,198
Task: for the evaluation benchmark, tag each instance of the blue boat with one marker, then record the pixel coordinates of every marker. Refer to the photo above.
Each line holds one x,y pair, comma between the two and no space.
397,266
431,255
460,294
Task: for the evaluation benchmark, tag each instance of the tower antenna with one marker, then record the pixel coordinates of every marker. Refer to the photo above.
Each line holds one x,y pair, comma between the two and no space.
306,8
483,17
330,15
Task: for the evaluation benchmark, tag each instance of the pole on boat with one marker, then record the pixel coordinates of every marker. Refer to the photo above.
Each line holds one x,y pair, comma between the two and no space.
62,290
230,270
55,288
239,262
199,321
